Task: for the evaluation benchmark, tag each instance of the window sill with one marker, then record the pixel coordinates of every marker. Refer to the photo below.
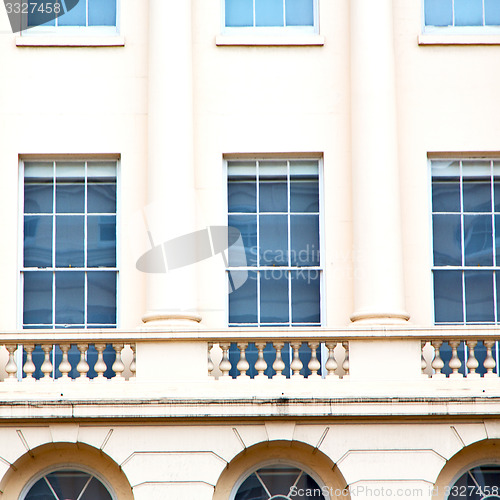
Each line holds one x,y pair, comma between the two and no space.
270,40
428,39
69,41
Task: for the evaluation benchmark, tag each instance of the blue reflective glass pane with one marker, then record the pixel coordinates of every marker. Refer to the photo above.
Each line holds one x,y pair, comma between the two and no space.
438,13
492,12
273,196
479,296
447,237
478,240
251,488
304,240
101,297
243,301
299,12
70,198
497,284
77,16
69,240
305,296
448,303
101,198
304,196
38,15
468,12
101,241
242,197
446,196
37,298
102,12
247,225
273,234
69,484
70,297
496,193
37,241
38,198
274,296
40,491
269,13
239,13
477,196
497,239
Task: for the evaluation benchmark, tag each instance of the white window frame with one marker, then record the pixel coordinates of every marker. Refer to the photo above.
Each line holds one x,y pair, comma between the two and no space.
22,269
77,31
457,30
320,268
271,30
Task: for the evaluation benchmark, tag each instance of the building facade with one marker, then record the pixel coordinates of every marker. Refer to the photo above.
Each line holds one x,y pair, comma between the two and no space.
249,249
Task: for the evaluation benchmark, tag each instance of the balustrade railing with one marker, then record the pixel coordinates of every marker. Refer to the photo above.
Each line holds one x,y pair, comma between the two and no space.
281,359
65,366
458,358
437,353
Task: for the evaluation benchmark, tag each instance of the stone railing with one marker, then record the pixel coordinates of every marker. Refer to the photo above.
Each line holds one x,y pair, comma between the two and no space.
355,354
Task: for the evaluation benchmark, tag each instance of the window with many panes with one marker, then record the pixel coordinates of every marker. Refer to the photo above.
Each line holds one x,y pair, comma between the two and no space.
279,481
96,14
462,15
265,14
276,207
466,240
69,270
479,483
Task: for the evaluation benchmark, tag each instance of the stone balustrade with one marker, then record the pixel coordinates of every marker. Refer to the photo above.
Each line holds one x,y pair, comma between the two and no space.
197,355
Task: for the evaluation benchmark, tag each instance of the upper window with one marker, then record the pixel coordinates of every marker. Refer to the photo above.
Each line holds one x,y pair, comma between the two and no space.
64,484
99,15
278,482
68,269
466,241
276,207
269,14
479,483
462,15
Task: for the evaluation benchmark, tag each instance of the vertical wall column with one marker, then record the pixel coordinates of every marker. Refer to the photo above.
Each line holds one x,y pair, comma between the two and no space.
378,263
171,212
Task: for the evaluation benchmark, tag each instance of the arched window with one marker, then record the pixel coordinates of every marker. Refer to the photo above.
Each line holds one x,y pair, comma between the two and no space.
279,482
479,483
68,484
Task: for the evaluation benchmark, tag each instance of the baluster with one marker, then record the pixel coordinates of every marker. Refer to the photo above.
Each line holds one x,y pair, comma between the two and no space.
11,366
489,362
345,364
455,362
47,366
423,362
100,366
210,363
133,363
331,363
260,364
278,365
243,365
437,363
82,367
65,366
225,364
29,366
118,366
296,365
472,362
314,365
